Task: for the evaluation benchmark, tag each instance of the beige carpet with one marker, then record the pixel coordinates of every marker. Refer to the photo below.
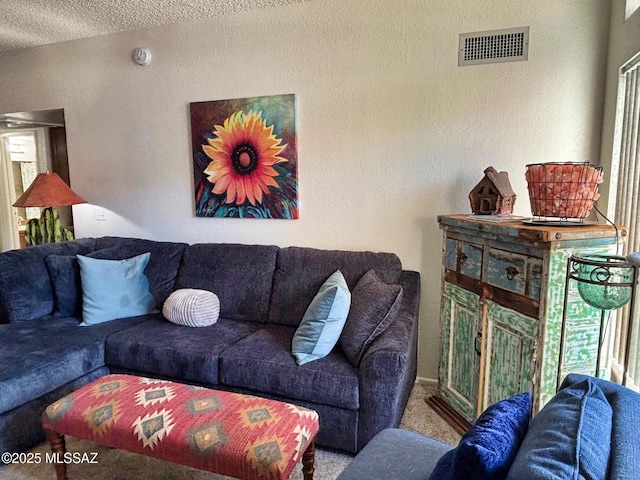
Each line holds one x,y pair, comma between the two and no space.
118,465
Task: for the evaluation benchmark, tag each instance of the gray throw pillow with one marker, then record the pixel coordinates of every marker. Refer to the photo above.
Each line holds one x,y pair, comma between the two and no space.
192,307
374,305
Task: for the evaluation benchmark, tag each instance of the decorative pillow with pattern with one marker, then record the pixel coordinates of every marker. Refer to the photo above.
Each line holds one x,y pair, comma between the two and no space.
192,307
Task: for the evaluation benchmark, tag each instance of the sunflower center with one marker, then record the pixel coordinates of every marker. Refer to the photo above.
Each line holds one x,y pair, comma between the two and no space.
244,158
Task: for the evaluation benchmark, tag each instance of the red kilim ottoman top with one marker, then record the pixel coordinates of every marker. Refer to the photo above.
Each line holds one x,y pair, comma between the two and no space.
232,434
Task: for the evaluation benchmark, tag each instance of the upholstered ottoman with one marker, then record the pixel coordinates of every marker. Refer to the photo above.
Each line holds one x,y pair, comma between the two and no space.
240,436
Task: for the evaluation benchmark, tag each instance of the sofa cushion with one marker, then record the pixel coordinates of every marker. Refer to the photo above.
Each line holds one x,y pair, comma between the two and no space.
487,449
164,349
262,362
323,321
163,264
38,357
240,275
301,271
374,305
192,307
624,462
25,287
569,438
113,289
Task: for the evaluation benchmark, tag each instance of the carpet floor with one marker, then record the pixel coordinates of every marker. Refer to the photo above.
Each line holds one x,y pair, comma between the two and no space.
115,464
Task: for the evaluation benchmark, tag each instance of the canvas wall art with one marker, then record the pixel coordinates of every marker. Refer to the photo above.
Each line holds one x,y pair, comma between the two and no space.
245,161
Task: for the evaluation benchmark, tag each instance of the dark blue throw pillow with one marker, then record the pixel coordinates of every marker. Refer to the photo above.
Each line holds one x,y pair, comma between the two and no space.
64,273
486,451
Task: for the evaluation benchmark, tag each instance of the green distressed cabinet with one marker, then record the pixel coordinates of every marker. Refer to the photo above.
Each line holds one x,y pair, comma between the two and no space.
503,287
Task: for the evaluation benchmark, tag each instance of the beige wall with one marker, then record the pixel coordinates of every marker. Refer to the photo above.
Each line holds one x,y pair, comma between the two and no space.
391,132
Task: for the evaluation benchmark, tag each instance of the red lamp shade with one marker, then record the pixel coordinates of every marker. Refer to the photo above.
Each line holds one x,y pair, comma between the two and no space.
48,190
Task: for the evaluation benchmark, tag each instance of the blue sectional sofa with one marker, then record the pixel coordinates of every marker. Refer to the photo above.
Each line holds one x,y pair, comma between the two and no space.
263,292
589,430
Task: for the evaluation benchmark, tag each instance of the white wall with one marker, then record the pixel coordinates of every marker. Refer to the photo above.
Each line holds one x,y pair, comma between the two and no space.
391,132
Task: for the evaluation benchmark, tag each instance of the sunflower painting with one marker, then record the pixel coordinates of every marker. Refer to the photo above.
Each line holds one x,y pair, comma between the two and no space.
245,162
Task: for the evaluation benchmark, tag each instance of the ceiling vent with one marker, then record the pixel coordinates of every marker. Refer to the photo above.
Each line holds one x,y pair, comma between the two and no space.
496,46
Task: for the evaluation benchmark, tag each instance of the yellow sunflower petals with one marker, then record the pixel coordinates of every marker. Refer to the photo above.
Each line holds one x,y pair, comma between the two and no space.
209,151
215,171
249,129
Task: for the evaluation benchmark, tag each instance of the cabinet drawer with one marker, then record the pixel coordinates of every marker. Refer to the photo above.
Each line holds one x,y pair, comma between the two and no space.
464,257
515,272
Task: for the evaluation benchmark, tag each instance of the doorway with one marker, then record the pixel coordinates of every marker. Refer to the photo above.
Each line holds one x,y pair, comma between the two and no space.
30,143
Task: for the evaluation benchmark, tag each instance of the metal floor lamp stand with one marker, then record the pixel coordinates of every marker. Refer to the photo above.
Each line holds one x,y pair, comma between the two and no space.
606,282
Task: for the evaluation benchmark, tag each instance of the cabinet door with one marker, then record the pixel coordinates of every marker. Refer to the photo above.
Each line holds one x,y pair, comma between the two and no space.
460,361
510,353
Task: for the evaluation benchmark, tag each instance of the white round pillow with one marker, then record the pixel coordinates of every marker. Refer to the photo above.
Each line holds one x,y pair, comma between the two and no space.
192,307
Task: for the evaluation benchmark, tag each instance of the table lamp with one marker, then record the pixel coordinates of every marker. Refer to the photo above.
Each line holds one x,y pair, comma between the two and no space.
47,190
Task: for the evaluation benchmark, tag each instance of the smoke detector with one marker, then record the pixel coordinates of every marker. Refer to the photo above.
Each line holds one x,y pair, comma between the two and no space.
142,56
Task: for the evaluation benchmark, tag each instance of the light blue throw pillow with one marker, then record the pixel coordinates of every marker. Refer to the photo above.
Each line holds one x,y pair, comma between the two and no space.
323,321
113,289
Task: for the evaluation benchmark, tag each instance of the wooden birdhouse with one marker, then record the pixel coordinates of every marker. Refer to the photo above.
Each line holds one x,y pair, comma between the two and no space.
493,195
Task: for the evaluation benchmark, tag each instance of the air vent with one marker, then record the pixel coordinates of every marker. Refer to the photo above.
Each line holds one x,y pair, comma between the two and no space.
496,46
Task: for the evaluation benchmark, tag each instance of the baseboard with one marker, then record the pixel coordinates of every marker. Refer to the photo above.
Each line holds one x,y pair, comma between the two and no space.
442,408
426,381
451,416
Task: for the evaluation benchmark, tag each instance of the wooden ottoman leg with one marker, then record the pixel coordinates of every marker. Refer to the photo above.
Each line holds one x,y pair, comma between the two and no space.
308,460
56,441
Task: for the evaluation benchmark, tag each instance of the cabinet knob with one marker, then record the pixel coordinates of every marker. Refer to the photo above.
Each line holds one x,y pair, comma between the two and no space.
462,257
512,272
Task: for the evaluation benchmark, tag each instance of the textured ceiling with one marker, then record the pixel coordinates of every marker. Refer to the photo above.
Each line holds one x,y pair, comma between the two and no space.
29,23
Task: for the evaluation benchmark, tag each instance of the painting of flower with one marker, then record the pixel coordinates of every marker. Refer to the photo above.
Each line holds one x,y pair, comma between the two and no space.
245,158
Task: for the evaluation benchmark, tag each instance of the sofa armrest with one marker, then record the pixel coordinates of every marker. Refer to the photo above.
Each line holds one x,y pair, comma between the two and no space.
389,367
624,461
396,454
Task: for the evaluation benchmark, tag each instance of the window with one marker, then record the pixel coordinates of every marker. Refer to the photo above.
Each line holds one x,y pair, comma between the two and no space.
624,199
